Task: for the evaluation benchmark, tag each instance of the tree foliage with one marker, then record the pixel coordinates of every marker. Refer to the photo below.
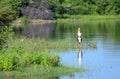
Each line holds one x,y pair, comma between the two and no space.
8,10
61,7
84,7
6,15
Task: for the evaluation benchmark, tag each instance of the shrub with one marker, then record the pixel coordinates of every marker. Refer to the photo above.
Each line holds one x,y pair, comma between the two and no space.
5,34
45,59
7,14
12,60
54,60
6,63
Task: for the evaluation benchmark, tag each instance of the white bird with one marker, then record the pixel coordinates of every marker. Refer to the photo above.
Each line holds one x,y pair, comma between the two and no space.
79,36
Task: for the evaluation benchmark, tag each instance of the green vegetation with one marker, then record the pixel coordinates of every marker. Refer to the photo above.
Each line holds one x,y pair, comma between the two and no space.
6,15
23,51
16,53
9,9
16,57
30,58
85,7
23,19
86,18
6,33
62,8
37,71
94,17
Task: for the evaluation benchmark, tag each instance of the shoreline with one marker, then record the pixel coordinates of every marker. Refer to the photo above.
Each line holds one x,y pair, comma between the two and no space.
32,21
72,18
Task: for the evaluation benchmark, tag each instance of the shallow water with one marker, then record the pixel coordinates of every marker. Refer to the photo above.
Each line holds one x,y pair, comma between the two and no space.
101,63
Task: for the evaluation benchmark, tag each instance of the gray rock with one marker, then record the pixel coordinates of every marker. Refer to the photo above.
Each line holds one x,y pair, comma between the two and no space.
38,9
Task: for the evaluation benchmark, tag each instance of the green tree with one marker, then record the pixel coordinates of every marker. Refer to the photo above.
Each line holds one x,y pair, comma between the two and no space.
7,14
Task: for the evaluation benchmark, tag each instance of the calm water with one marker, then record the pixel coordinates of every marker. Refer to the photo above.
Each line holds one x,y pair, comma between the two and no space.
101,63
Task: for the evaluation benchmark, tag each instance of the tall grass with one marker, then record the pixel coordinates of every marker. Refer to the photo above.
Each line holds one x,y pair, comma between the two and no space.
42,45
30,59
21,53
13,60
25,51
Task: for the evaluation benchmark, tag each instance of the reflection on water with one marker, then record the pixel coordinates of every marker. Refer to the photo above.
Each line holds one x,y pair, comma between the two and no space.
72,58
37,30
102,63
80,57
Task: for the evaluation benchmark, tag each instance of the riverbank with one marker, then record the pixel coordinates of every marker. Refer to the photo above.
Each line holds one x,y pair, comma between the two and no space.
67,18
39,72
31,58
84,18
32,21
23,51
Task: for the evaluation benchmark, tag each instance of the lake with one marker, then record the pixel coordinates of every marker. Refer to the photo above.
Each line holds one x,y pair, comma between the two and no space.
100,63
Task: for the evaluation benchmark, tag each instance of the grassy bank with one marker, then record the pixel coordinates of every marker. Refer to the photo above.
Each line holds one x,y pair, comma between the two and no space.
30,58
91,16
24,51
80,18
19,56
39,72
32,21
67,18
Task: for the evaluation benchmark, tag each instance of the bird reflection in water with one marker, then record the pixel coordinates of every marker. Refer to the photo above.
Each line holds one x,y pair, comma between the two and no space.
80,55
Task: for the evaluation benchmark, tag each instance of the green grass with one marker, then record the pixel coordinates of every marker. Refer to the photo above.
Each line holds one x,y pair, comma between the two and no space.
82,18
24,58
24,51
39,72
68,18
14,58
42,45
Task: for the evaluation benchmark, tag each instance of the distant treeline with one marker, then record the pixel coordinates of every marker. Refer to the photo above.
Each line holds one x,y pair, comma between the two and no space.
10,8
86,7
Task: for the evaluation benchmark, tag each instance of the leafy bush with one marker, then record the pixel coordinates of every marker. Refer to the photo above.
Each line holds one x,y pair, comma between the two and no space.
9,9
5,34
13,58
14,4
54,60
6,63
7,14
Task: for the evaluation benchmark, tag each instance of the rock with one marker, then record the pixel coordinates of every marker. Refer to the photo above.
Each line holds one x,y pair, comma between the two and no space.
38,9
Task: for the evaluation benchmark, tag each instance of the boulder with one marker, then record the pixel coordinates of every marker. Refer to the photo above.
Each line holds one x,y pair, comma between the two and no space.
37,9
